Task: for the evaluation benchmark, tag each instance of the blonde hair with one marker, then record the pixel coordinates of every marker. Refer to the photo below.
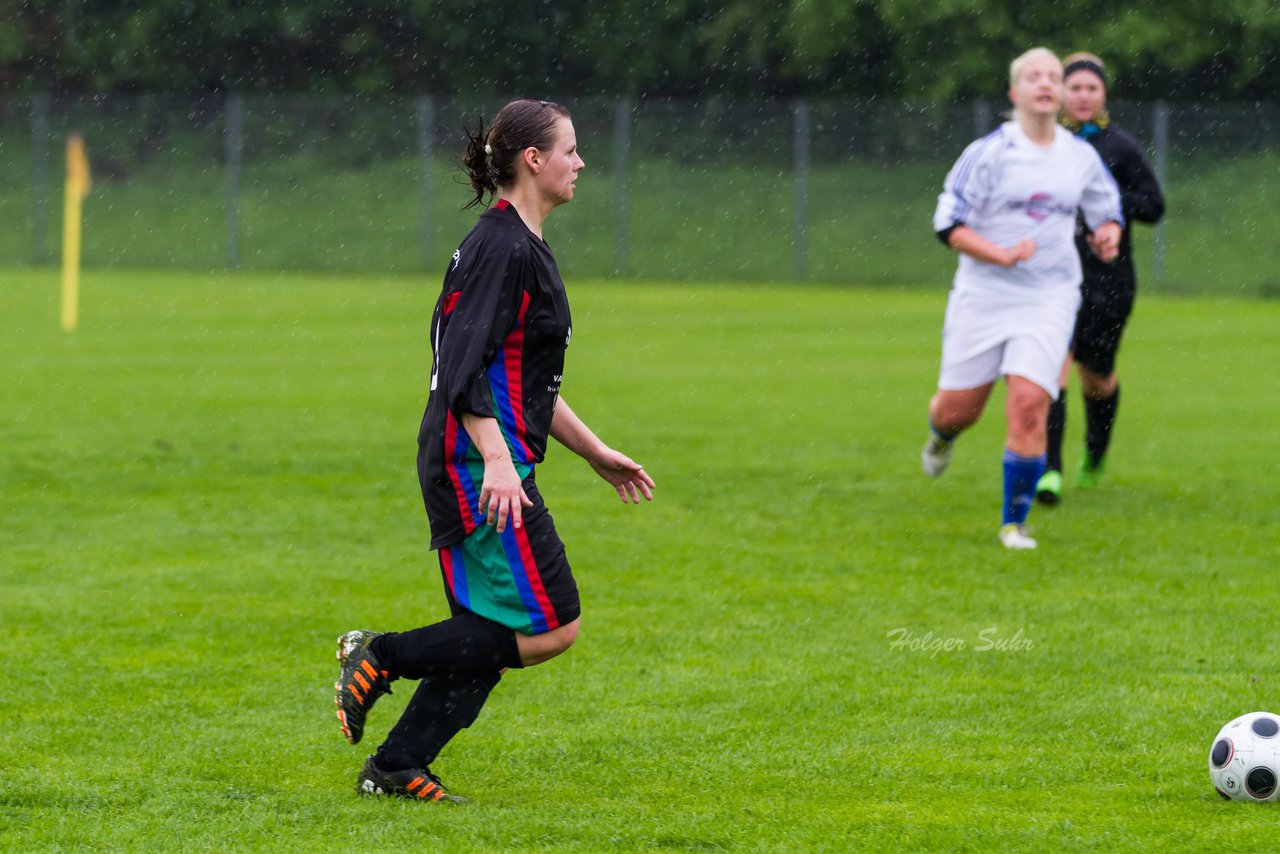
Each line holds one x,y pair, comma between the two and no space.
1015,67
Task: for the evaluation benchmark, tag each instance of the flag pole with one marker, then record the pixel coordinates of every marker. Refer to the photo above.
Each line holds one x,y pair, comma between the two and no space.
76,188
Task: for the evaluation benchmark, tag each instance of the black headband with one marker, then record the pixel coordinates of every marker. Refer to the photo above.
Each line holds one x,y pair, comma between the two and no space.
1085,65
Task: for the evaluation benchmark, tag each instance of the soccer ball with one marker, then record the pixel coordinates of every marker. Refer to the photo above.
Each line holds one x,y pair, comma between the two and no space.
1244,762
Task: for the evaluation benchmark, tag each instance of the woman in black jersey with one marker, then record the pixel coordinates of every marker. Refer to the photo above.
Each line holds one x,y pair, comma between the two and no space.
1109,288
498,337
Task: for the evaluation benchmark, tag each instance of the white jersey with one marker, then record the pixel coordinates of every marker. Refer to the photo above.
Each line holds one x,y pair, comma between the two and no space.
1006,188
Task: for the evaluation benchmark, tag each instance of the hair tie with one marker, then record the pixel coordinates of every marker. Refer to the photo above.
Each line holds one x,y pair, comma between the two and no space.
488,150
1085,65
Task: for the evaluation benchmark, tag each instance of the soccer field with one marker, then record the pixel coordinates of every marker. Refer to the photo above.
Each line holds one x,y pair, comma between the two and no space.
212,478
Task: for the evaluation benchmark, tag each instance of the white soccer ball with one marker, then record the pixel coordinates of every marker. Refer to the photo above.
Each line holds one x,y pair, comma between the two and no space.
1244,762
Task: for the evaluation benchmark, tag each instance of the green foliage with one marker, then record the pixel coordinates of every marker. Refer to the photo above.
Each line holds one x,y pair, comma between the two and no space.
897,48
213,477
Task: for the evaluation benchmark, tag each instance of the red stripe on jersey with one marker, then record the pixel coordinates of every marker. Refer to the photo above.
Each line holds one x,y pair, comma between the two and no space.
449,302
451,466
446,563
513,363
502,204
531,572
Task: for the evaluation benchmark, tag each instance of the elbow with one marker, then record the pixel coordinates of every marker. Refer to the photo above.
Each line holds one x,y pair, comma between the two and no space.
1145,207
1151,214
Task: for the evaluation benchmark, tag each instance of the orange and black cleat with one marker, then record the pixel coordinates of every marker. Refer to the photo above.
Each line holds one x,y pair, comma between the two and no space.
362,682
416,784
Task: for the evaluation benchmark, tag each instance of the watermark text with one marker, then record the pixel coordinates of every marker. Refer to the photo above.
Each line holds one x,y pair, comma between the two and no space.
989,639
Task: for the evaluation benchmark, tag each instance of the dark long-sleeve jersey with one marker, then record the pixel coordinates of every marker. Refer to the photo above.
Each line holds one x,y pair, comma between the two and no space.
498,338
1140,201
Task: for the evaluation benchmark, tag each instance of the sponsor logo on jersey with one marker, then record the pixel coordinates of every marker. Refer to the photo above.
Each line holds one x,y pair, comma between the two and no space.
1041,206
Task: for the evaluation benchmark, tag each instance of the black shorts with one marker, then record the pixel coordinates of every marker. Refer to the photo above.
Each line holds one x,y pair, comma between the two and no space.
1104,310
519,578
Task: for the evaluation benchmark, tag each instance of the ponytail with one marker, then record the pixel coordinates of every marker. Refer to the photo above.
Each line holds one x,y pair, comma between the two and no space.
478,161
490,157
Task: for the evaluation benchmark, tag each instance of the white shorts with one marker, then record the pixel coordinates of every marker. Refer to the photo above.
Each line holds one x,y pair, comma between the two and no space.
983,340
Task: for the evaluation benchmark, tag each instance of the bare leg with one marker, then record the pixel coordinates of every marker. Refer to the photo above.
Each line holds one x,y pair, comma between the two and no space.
954,410
1027,412
950,411
535,649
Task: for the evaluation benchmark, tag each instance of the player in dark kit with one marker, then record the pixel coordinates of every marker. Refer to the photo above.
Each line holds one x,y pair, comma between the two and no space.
498,336
1109,288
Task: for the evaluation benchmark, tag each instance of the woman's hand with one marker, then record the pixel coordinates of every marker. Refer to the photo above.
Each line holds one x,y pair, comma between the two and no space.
626,475
1105,241
1020,251
501,495
965,239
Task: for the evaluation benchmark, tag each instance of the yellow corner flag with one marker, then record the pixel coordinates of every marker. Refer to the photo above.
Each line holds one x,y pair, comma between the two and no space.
77,187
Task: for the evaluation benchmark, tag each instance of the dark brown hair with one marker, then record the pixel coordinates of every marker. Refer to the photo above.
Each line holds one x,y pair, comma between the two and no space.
490,156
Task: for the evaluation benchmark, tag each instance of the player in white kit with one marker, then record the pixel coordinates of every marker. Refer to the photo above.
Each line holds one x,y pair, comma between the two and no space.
1009,207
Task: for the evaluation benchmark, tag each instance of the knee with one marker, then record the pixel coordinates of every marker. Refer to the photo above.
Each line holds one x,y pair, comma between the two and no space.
1028,416
951,415
564,637
535,649
555,642
1097,387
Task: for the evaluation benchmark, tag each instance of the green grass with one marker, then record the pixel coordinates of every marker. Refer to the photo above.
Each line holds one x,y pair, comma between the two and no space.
1220,226
214,477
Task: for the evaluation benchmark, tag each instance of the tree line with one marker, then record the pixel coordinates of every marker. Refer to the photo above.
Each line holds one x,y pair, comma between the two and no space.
915,50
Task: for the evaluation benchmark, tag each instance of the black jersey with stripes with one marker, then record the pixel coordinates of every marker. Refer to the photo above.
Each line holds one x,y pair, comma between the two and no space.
498,338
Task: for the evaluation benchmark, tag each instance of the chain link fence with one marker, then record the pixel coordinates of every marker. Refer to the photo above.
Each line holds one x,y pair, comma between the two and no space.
823,190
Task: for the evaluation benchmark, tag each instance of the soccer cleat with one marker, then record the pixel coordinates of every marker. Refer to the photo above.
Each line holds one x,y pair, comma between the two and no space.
936,456
416,784
362,682
1014,536
1049,488
1089,472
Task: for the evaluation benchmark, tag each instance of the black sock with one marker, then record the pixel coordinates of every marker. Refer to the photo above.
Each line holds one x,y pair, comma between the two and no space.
1100,416
441,707
464,643
1056,427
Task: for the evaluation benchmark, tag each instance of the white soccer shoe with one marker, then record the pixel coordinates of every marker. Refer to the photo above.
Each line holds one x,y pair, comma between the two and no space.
1015,537
936,456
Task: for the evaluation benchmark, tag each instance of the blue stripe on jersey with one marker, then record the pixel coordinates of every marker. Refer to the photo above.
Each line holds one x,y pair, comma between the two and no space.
473,495
520,575
458,575
502,397
464,475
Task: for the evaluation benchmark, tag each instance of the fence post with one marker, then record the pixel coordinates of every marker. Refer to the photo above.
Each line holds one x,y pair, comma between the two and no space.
426,111
800,159
232,142
621,184
981,118
1162,175
39,176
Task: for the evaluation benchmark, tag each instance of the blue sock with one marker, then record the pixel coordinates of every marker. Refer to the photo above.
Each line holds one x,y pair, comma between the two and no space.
1020,476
